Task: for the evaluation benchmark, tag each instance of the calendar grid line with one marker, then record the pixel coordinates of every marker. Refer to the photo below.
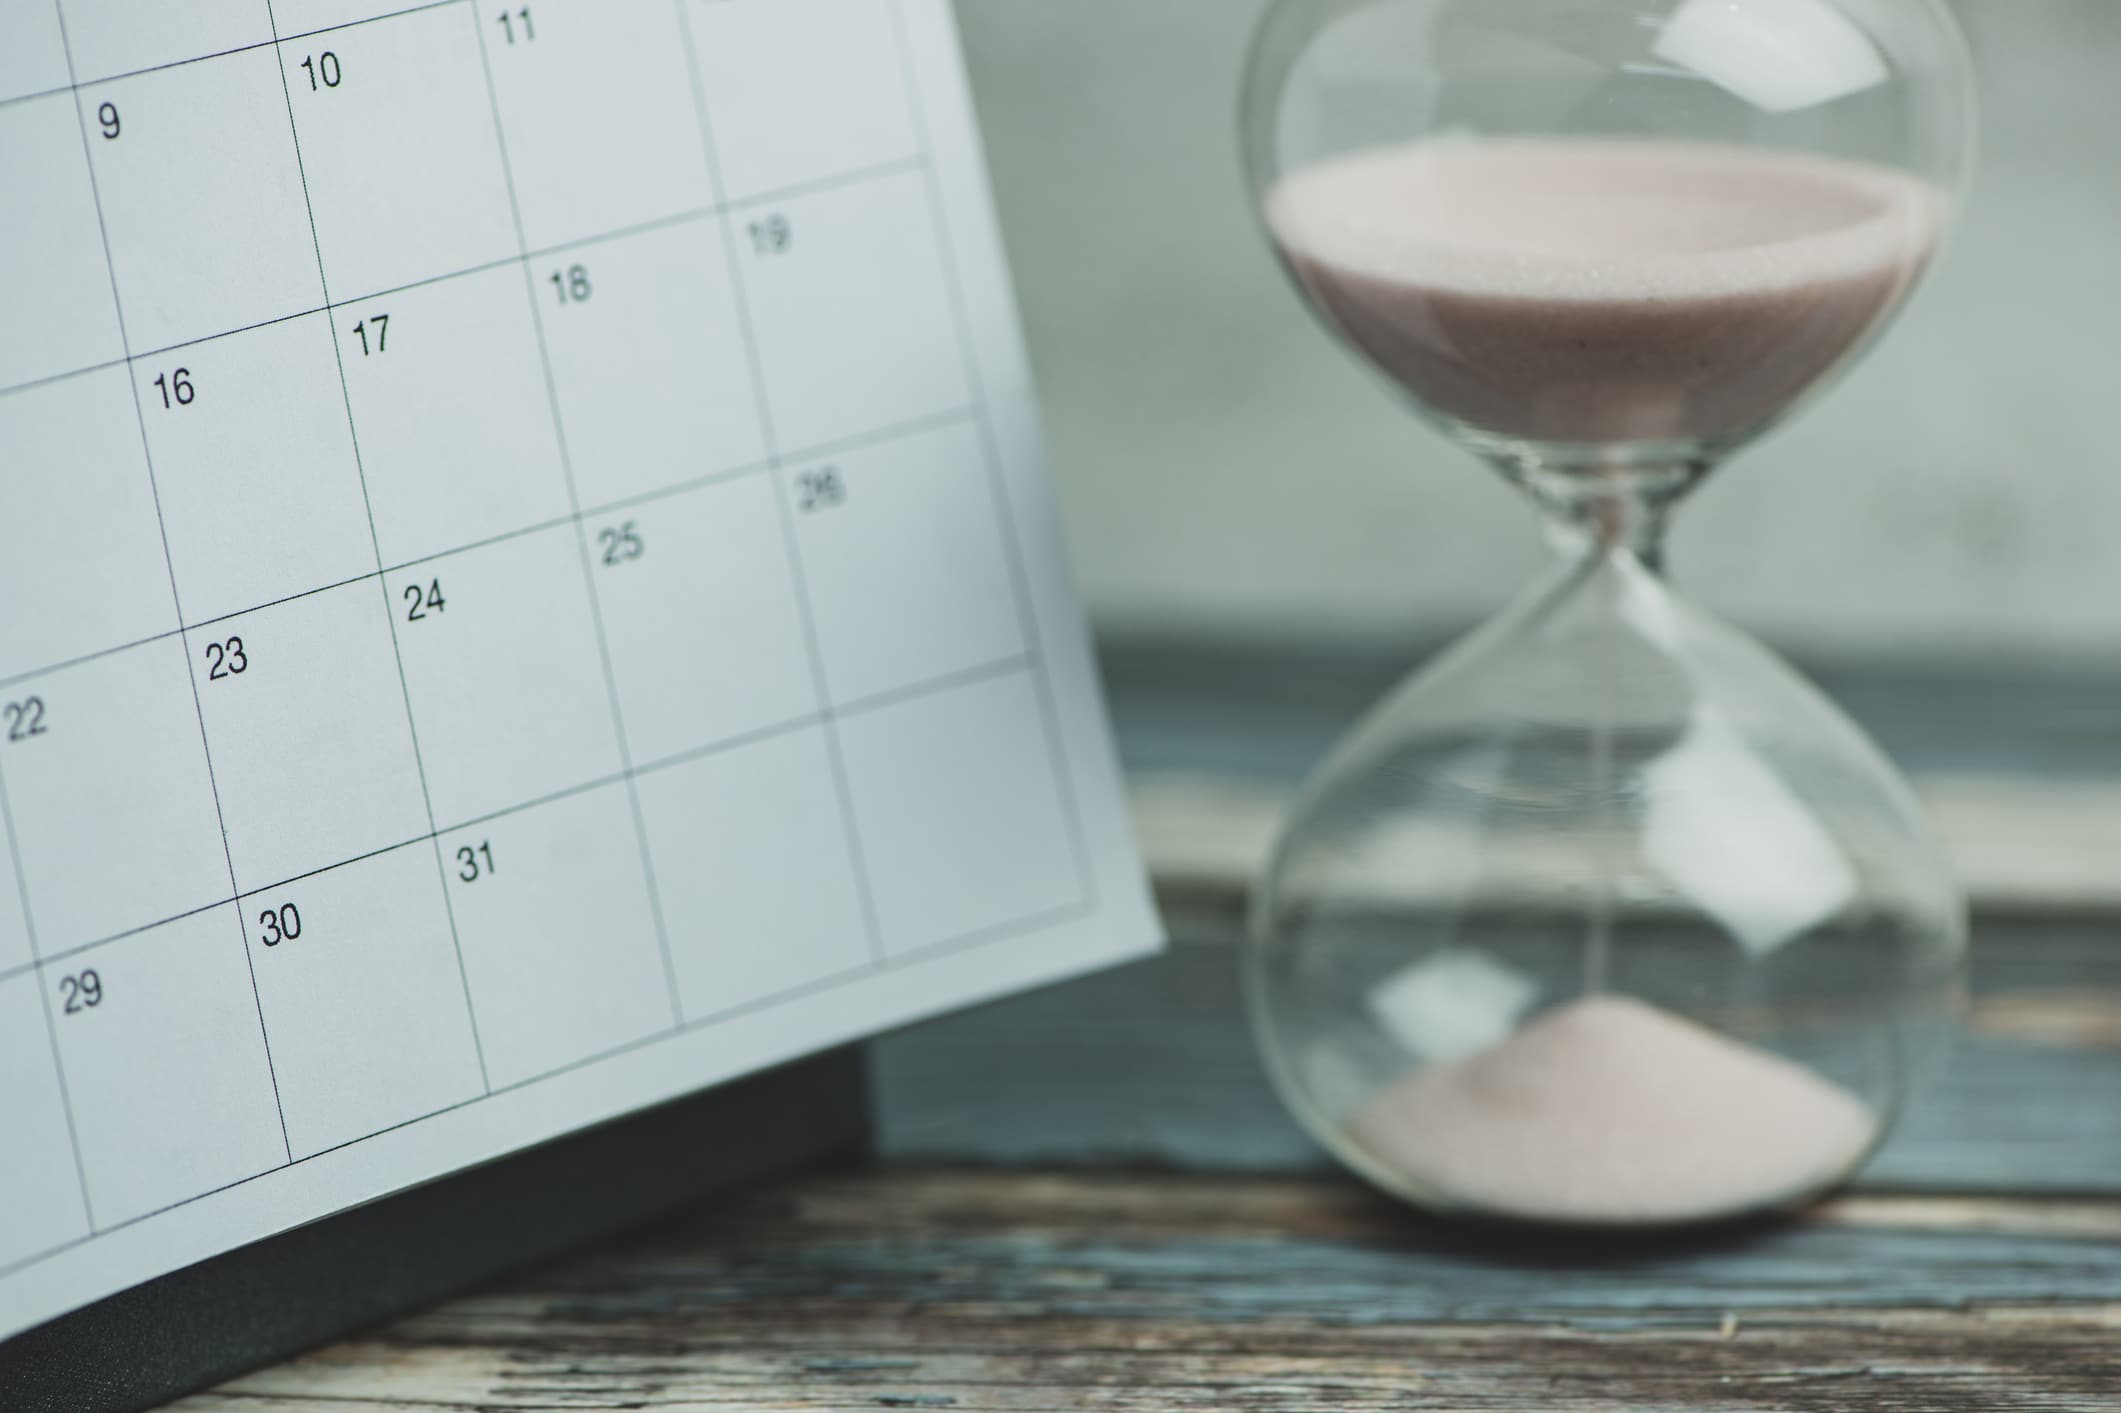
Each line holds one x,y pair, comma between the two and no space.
716,212
44,1005
589,582
67,954
39,95
998,483
820,451
230,52
312,758
791,546
397,652
980,937
169,562
1025,663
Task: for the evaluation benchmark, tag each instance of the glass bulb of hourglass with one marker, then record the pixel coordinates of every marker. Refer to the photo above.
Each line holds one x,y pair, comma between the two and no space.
1607,916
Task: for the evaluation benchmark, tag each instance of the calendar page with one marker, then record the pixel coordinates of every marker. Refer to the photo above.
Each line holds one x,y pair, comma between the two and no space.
532,588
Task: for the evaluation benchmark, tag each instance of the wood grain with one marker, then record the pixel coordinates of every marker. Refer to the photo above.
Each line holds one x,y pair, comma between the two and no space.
1087,1198
992,1291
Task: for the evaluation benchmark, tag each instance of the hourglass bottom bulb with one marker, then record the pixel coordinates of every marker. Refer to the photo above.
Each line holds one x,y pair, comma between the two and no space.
1611,1111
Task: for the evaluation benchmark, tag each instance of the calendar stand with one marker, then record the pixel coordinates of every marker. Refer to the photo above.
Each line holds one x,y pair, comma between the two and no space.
548,600
272,1299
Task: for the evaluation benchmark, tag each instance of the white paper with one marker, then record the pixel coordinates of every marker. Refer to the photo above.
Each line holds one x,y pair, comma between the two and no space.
532,589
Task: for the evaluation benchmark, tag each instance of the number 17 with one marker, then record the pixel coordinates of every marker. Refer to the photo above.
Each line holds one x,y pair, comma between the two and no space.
381,324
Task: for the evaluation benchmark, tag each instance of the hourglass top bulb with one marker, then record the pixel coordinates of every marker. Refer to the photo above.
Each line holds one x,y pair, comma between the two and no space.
1603,291
1603,231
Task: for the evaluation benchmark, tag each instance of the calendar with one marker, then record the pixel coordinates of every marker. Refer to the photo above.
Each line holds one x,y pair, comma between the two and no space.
532,585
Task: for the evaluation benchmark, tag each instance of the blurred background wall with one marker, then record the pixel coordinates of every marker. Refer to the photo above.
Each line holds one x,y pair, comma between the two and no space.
1227,472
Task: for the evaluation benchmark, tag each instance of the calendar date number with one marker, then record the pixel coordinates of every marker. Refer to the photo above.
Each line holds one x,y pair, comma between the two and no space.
572,284
226,660
324,70
377,325
83,991
281,924
475,861
24,719
622,544
772,235
176,388
421,603
821,489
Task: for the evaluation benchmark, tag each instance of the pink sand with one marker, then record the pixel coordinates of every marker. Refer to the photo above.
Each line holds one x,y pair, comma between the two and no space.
1611,1111
1597,291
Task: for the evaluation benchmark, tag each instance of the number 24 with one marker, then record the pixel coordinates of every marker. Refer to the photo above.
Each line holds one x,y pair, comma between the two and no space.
423,601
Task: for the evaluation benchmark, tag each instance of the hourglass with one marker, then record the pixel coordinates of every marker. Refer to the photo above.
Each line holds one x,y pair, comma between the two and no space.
1607,917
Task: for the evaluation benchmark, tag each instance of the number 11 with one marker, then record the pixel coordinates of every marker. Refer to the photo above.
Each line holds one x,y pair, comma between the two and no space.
521,17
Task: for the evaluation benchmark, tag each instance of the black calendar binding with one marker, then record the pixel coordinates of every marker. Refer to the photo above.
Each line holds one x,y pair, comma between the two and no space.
266,1302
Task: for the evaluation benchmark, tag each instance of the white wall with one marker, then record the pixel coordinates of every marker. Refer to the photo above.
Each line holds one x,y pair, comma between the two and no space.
1226,470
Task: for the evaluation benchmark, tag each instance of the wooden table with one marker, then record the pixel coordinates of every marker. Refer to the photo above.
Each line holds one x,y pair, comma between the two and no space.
1087,1199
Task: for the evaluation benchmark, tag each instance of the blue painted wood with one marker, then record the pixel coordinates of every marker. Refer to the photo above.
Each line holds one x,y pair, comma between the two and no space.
1153,1065
1268,711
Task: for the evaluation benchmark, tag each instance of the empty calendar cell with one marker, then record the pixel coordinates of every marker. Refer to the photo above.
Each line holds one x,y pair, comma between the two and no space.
305,714
44,1207
301,19
758,886
398,144
559,941
456,428
648,360
261,494
799,90
960,812
902,549
118,36
166,1065
358,978
16,951
90,557
112,803
59,285
32,56
851,310
706,633
603,131
505,673
202,197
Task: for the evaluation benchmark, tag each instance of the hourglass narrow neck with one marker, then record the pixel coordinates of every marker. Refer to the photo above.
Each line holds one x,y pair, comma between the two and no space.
1611,508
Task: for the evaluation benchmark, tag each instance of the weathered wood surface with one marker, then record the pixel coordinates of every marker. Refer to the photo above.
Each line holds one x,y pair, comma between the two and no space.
1152,1065
994,1291
1087,1198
